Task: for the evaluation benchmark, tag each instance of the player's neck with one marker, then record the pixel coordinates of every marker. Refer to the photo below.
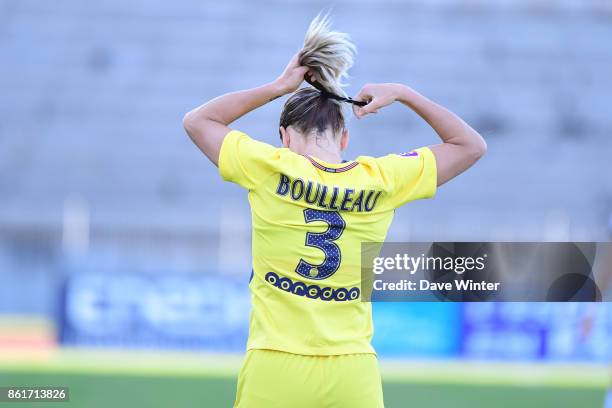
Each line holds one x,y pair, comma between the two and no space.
333,156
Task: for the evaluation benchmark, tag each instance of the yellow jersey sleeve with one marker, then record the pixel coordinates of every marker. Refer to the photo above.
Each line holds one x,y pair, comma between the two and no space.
412,175
245,161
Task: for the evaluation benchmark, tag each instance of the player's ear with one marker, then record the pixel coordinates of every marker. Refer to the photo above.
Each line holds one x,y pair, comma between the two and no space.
284,136
344,139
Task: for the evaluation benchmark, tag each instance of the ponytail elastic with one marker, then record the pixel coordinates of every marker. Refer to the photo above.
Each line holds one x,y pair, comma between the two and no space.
330,95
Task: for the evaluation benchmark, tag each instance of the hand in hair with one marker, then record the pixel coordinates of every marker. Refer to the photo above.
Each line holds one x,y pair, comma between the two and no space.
292,76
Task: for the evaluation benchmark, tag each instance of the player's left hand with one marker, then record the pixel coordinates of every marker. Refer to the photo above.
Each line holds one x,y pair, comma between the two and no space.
377,96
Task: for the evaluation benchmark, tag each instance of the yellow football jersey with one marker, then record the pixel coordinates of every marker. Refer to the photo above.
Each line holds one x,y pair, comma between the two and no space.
309,219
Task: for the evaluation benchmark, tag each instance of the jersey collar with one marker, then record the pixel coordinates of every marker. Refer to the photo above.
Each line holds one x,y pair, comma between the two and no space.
332,167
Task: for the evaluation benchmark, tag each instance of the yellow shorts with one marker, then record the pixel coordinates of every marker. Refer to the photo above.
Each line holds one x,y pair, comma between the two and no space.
270,379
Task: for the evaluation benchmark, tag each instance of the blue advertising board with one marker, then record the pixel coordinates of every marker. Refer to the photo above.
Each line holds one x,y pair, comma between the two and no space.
210,312
536,331
155,311
424,330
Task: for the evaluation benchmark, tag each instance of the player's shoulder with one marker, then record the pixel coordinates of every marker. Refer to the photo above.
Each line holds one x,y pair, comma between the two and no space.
379,162
385,169
256,147
406,154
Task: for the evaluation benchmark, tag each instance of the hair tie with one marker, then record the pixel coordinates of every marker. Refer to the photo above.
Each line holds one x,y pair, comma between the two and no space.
330,95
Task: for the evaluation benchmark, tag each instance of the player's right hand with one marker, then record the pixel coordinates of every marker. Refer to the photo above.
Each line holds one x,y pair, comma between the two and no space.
292,76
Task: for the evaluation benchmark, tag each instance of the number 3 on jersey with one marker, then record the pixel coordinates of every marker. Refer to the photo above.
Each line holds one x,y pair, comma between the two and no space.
325,242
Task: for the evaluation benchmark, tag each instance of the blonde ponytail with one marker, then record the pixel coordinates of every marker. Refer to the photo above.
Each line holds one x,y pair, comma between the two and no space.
328,54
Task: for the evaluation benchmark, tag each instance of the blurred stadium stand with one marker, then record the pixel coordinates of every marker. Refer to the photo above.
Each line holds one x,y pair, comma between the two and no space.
96,172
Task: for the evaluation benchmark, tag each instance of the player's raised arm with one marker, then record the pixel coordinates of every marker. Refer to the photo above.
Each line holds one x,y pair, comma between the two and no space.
462,146
208,124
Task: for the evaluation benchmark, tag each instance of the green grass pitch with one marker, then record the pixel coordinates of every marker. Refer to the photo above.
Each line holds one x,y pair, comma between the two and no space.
141,379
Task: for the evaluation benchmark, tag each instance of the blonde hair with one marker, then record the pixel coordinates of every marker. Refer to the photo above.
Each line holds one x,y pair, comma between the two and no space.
328,54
